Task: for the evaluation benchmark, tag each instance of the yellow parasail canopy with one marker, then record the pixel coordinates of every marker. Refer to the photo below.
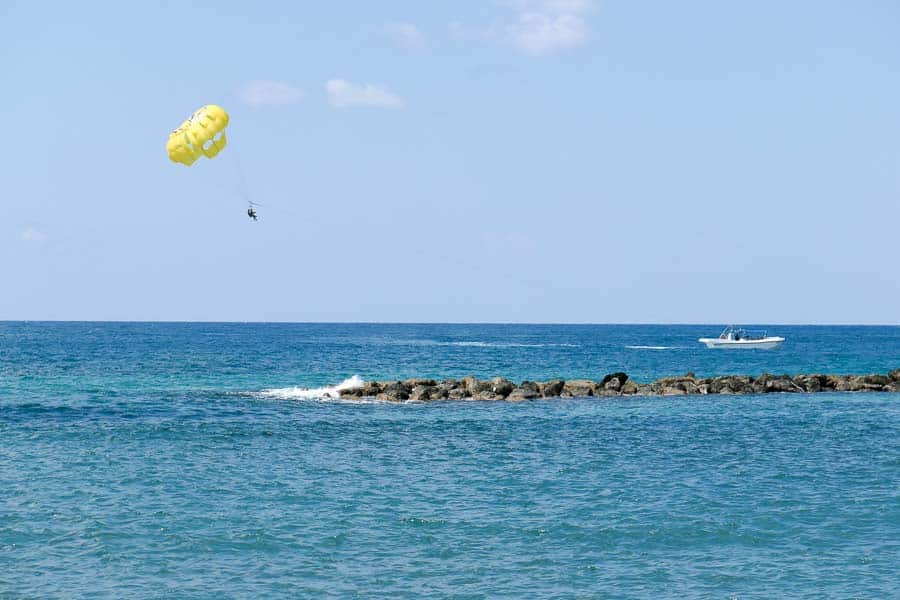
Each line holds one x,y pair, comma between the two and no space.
202,134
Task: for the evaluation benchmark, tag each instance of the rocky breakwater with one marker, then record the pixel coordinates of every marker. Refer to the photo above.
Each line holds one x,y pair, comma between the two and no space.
617,384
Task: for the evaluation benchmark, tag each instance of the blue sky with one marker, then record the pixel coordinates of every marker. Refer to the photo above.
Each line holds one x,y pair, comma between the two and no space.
520,160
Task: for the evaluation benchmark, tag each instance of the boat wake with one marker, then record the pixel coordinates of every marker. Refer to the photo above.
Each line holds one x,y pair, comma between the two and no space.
652,347
474,344
479,344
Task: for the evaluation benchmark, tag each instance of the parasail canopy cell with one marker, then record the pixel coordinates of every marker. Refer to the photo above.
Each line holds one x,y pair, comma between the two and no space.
201,135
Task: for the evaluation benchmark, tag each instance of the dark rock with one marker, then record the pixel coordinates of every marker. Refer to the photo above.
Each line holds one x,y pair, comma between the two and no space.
873,387
614,381
826,382
474,386
502,387
629,387
527,390
875,379
741,384
523,392
775,383
730,384
616,384
442,390
670,386
613,386
854,384
457,393
370,389
578,388
839,383
867,383
552,388
396,390
689,385
668,390
420,393
782,384
438,393
529,386
811,383
411,383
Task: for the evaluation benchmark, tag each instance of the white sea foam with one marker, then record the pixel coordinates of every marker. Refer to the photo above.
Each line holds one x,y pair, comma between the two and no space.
478,344
322,393
652,347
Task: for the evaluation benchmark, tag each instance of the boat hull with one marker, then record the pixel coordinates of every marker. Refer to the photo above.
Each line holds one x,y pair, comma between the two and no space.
768,343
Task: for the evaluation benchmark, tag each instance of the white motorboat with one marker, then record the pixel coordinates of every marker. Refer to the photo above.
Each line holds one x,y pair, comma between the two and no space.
742,338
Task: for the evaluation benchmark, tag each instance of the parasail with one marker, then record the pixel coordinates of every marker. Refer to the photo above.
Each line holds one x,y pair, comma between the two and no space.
201,135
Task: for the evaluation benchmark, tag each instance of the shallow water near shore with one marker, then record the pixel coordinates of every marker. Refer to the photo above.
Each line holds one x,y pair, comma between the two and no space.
141,460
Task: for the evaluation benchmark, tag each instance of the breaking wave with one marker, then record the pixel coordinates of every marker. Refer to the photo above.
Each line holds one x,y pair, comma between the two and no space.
322,393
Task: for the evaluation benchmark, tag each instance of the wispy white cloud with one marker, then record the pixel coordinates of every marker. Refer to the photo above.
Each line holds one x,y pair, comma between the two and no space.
33,235
405,35
546,26
343,94
539,33
269,93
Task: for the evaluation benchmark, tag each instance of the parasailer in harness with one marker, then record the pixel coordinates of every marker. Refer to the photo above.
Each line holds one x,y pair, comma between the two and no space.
251,212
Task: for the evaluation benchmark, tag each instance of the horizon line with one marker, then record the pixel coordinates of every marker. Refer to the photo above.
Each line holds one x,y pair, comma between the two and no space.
562,323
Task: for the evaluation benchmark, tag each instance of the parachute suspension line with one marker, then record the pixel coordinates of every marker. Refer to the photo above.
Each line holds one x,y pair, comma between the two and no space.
242,181
244,192
242,187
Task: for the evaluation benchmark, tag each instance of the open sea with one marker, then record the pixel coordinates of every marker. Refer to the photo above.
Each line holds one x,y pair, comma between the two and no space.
201,460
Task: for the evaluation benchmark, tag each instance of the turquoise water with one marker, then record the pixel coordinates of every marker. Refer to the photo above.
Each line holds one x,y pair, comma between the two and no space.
142,460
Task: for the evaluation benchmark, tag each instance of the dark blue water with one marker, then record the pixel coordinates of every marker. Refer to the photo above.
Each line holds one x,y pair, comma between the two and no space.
113,357
139,460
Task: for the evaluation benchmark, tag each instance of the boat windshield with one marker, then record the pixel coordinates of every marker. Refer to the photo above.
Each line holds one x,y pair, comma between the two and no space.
732,333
